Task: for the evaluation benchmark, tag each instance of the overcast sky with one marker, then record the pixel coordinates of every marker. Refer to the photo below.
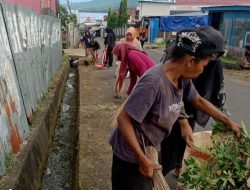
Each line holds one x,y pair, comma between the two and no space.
73,1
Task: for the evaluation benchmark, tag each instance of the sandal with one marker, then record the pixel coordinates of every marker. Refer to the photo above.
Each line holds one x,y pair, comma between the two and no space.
117,97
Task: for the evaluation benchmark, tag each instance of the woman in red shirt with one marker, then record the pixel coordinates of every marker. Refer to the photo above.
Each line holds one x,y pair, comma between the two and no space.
132,60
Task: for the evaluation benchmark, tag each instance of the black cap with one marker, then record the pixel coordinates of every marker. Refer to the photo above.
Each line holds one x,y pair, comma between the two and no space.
216,35
197,42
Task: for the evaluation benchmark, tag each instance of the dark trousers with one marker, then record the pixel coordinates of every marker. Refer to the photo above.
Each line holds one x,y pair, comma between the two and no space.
142,43
109,56
126,176
173,148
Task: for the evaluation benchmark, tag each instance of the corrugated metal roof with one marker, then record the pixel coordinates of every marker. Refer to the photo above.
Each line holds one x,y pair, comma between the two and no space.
212,2
201,2
227,8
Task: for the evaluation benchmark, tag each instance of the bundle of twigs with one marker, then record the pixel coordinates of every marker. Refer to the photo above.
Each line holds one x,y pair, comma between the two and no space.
158,178
114,118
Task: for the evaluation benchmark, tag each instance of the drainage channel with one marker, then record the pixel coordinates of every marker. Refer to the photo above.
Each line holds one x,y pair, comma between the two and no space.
61,164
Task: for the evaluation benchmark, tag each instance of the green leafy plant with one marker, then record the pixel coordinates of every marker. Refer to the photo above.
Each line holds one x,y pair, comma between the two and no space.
112,19
229,166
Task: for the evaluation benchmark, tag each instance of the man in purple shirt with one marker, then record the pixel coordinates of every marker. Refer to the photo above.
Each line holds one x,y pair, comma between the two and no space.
154,105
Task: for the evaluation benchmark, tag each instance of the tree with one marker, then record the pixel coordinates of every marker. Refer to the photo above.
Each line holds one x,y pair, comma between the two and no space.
112,21
69,7
123,15
109,12
73,18
66,17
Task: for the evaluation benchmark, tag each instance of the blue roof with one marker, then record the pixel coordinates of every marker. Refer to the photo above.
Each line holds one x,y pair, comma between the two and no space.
227,8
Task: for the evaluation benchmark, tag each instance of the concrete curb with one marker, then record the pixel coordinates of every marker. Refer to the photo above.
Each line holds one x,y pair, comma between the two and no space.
30,162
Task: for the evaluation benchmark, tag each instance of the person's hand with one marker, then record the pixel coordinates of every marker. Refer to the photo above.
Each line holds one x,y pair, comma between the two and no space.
147,167
186,132
117,93
231,125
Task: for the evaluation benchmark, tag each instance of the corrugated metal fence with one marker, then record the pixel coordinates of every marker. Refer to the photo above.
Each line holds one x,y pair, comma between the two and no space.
120,32
30,54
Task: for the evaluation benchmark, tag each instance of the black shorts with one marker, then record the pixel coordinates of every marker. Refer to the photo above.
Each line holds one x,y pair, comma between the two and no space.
126,176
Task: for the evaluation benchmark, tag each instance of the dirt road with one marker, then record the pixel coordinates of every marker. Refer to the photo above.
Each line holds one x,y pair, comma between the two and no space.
96,108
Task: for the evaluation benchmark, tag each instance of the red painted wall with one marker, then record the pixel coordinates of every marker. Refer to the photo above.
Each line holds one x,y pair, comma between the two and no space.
36,5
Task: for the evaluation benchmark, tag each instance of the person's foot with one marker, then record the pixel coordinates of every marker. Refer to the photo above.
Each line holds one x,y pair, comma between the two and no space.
117,97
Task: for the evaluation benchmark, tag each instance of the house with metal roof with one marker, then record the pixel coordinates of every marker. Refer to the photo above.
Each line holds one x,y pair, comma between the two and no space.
234,23
151,12
154,7
169,7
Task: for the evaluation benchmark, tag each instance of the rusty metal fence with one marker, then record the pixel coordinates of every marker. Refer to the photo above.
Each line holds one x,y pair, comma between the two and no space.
30,54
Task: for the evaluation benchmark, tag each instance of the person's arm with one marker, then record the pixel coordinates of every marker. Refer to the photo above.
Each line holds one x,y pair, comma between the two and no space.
208,108
136,108
139,47
110,40
244,61
133,79
218,88
186,131
128,133
121,76
105,41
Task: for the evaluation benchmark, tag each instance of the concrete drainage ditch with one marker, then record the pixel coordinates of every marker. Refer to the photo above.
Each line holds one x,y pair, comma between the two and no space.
61,164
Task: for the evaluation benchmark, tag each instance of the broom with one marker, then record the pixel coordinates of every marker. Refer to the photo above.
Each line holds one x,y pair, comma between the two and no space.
114,118
158,178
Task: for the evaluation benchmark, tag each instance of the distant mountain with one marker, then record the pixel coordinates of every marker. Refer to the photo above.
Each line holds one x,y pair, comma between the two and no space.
101,5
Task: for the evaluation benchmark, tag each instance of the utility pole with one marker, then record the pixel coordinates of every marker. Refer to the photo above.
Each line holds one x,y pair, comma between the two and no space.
69,7
73,28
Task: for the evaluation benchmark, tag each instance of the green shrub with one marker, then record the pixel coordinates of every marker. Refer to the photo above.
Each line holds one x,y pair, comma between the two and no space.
229,59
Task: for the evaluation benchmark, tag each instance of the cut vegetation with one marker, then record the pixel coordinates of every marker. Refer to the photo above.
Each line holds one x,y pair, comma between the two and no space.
229,166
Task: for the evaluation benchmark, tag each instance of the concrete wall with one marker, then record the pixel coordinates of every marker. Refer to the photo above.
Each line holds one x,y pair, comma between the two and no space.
30,55
188,8
154,9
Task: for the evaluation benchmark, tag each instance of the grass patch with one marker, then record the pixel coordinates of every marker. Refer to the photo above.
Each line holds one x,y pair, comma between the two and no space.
229,60
9,163
154,44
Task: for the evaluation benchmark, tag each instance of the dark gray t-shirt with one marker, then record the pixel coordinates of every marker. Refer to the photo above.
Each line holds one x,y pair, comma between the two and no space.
154,105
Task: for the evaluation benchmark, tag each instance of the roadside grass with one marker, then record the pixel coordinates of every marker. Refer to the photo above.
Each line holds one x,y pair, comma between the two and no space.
9,163
228,59
230,62
156,44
